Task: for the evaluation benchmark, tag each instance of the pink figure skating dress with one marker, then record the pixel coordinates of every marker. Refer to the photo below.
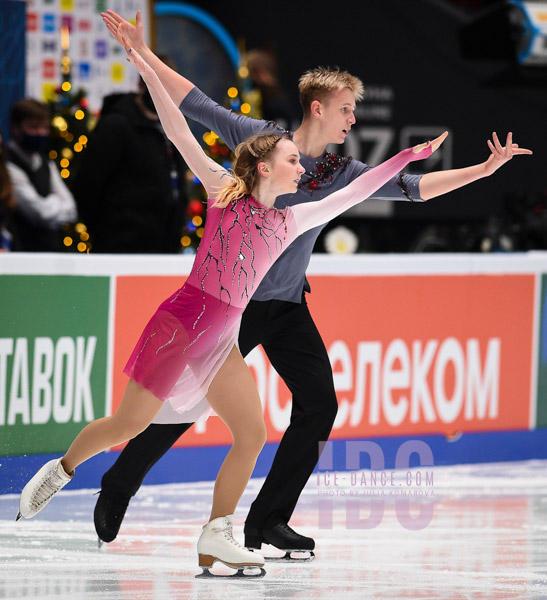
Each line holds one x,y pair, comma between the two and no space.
189,337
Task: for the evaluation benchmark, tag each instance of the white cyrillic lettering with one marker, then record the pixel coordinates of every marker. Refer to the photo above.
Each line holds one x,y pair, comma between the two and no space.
19,398
482,391
367,352
395,379
44,351
6,349
339,354
257,362
280,417
82,392
63,402
448,409
420,396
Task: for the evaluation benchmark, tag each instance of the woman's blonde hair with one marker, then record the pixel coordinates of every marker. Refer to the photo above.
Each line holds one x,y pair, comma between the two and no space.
249,153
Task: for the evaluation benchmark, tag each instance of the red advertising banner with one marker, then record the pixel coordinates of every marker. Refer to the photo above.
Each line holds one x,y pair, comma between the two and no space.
428,354
411,354
137,298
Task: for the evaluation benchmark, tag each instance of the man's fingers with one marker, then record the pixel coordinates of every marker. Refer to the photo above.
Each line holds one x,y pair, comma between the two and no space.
522,151
511,148
497,142
112,27
112,30
109,22
115,16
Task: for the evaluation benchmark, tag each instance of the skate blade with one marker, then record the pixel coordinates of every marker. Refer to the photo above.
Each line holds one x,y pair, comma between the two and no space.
19,516
288,557
241,573
99,543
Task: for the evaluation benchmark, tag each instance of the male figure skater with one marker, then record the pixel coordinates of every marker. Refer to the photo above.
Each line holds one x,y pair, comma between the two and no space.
277,317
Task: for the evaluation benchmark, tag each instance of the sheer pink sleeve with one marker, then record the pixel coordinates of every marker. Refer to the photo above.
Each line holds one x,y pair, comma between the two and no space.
312,214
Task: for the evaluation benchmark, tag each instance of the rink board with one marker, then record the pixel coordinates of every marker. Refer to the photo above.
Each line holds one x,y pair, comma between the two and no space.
450,349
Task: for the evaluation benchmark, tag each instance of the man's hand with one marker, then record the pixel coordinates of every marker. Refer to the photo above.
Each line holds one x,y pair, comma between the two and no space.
120,28
502,154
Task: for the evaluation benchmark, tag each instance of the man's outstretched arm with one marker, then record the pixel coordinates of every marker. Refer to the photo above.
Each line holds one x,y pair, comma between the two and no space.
232,128
175,84
442,182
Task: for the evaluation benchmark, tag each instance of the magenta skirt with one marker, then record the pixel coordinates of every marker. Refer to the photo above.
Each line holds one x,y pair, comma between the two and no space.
183,346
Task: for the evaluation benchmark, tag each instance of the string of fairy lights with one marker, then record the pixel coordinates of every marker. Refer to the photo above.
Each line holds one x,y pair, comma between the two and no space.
72,121
243,99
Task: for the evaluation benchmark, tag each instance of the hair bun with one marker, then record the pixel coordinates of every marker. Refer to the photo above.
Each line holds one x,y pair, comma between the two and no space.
252,151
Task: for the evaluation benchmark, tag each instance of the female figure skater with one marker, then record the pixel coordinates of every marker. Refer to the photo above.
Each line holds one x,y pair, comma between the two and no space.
188,349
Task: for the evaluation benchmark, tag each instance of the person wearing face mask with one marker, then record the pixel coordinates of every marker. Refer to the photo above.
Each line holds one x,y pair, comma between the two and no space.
130,187
42,201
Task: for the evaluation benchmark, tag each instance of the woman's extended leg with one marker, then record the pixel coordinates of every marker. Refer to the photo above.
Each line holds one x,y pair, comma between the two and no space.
234,397
136,411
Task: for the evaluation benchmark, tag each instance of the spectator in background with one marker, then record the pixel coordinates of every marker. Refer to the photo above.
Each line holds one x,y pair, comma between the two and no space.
7,202
263,72
43,203
130,187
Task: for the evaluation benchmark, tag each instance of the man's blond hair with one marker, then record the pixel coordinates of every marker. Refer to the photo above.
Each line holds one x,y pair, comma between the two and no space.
319,83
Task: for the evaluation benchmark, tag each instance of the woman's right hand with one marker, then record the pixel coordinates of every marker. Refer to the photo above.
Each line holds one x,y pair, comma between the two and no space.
120,28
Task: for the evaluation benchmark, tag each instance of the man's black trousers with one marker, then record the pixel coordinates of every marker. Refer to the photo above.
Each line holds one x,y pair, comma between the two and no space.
294,347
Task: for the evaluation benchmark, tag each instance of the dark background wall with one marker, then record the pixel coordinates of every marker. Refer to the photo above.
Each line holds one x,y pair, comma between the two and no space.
407,52
12,57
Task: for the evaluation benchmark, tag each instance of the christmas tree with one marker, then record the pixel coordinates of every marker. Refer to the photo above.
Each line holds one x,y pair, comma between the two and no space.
71,123
242,99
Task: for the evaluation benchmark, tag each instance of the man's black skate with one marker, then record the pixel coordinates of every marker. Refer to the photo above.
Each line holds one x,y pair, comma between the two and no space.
284,538
108,517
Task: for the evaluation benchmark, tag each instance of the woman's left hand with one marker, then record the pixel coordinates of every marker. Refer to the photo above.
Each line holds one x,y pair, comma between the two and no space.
433,143
133,56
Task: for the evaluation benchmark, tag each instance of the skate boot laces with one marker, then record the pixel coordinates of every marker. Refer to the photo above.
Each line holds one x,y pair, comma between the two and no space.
227,529
288,529
49,485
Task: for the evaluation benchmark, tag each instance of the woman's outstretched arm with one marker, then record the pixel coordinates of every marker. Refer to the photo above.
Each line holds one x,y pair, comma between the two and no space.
312,214
210,173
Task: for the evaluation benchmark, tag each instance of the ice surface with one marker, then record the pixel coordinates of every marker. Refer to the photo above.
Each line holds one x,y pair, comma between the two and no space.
486,538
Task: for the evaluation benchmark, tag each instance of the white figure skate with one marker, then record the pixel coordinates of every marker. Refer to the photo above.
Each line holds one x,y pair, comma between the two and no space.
41,488
217,543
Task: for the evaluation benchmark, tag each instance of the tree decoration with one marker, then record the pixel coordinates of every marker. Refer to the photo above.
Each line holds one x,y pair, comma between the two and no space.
244,100
71,123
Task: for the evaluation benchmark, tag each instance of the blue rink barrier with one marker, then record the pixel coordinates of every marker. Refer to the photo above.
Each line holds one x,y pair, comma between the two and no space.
202,463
